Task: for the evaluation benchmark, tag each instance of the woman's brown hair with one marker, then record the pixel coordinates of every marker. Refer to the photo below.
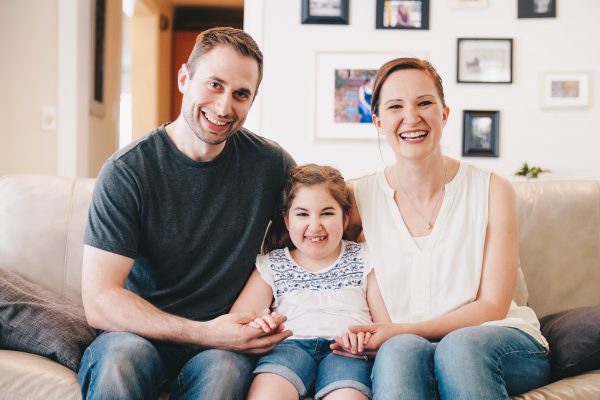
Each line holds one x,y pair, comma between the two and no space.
399,64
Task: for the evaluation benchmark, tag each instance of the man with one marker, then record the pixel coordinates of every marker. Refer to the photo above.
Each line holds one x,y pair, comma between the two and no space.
176,221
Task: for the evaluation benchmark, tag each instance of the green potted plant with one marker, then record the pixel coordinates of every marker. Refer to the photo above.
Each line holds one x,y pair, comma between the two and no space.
530,172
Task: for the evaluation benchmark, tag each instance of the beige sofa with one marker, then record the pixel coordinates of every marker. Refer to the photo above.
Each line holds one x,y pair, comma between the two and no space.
42,220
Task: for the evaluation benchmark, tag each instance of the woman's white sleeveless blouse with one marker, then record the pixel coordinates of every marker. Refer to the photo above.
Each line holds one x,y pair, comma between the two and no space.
420,284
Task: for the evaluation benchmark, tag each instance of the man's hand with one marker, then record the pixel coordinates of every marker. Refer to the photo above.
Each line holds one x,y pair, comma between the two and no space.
234,332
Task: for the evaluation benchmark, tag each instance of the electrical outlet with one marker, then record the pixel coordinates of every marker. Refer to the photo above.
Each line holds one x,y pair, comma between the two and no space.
48,118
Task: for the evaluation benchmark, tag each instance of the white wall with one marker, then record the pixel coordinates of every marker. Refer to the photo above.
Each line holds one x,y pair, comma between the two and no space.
46,61
565,141
28,71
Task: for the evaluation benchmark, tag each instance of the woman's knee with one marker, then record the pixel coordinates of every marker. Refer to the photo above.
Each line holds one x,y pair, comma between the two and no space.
404,368
406,344
468,345
404,349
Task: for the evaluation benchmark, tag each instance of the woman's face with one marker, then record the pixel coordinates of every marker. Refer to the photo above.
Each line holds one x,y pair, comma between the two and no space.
411,114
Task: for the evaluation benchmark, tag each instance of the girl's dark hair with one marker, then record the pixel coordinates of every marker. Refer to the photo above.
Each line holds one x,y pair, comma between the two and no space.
403,63
277,235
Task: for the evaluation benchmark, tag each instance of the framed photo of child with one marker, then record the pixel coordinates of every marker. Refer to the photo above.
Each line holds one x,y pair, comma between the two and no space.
402,14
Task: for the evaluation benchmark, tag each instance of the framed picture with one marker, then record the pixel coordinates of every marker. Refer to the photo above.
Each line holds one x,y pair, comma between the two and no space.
468,3
325,12
537,9
344,84
98,43
484,60
565,89
402,14
480,133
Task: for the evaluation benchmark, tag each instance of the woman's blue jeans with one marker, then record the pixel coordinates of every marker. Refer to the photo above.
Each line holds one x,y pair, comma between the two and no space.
482,362
121,365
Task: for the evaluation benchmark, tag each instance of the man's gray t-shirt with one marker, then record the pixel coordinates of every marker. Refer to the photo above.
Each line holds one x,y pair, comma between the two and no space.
193,228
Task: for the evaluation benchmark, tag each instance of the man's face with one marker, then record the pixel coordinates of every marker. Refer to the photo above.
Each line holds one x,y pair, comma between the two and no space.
217,98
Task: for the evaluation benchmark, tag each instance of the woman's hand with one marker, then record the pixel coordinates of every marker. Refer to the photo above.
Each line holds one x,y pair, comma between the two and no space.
362,341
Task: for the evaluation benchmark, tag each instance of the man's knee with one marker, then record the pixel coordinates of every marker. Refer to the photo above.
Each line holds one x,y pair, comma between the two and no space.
222,364
216,374
117,362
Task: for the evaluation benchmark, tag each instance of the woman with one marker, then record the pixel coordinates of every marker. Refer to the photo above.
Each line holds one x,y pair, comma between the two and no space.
443,240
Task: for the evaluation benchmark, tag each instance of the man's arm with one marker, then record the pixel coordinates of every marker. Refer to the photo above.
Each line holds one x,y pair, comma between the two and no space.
110,306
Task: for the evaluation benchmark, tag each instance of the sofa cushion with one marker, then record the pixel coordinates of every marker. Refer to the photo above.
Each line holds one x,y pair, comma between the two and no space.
38,321
574,338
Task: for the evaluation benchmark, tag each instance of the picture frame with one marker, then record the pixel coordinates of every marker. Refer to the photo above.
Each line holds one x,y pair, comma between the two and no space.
536,9
339,77
480,133
333,12
481,60
402,14
468,4
566,89
97,61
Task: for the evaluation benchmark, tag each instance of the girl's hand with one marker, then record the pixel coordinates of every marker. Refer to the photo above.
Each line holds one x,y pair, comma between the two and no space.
372,337
268,322
355,342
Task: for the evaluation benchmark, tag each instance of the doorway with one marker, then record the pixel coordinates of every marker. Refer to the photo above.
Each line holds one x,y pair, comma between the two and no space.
188,22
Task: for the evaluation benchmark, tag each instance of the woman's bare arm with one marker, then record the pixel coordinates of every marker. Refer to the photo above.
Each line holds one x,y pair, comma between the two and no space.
500,261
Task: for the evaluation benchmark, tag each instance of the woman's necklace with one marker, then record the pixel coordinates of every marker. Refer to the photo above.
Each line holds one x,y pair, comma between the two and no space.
428,222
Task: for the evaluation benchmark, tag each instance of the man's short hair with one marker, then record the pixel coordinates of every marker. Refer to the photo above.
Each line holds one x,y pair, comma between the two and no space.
239,40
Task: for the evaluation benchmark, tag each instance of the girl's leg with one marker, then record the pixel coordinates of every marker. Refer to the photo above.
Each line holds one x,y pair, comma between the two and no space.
346,394
288,371
271,386
489,362
403,369
340,377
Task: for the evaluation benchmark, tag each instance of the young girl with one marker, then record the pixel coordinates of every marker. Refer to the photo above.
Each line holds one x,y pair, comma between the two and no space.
323,284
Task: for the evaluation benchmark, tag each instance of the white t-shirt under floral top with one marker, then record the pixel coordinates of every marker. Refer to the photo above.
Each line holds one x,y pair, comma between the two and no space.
319,304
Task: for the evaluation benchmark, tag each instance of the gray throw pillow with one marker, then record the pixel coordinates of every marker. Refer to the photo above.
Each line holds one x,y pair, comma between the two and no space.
36,320
574,339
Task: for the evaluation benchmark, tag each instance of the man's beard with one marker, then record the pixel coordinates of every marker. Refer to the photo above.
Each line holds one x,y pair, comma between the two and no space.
198,131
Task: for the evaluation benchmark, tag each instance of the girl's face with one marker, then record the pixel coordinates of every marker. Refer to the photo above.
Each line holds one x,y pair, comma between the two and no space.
411,114
316,224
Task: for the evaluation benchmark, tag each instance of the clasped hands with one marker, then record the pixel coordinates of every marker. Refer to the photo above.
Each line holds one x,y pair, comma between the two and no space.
353,342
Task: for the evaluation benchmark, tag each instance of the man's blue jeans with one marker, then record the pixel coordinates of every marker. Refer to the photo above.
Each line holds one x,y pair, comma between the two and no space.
482,362
121,365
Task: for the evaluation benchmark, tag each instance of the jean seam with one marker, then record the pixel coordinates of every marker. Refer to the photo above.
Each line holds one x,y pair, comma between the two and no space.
91,372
